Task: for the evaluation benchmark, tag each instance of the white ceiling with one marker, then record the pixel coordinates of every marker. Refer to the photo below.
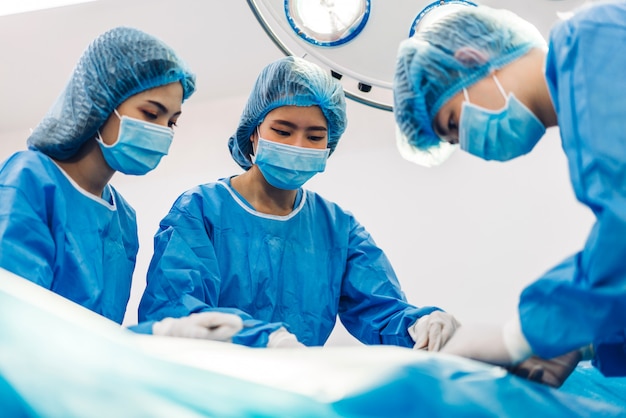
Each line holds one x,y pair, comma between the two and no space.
221,40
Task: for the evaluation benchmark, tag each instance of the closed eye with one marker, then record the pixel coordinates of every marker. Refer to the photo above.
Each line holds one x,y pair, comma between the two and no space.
452,125
450,132
280,132
150,115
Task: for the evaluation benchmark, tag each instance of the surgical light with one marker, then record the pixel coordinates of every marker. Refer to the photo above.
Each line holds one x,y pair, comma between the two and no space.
436,11
357,40
327,22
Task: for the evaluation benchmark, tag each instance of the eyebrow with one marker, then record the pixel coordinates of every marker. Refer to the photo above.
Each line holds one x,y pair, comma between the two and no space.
294,126
163,108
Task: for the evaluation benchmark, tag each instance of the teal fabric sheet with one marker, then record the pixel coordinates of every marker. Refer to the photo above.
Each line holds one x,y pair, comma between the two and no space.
57,359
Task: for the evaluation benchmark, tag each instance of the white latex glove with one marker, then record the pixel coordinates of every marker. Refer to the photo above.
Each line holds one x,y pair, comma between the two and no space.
218,326
433,331
495,344
281,338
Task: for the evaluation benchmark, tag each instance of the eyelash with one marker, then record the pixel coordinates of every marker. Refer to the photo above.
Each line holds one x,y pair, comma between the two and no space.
281,133
285,133
150,115
153,116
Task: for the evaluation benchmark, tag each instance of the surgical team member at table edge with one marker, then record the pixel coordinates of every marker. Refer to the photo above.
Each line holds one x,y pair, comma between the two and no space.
62,224
283,258
483,78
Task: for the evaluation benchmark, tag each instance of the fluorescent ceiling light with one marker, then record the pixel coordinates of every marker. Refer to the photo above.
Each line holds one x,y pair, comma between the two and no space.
10,7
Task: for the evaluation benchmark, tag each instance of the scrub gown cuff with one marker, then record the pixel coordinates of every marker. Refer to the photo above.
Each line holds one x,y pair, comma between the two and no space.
514,341
143,327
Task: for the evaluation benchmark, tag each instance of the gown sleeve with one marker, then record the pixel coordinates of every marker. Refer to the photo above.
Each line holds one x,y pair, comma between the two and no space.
184,275
373,307
583,300
26,244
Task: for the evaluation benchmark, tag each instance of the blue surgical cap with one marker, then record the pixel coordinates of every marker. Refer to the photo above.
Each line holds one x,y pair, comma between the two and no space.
451,54
115,66
289,81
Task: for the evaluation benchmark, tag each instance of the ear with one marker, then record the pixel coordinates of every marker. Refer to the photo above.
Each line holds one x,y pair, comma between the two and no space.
470,57
253,140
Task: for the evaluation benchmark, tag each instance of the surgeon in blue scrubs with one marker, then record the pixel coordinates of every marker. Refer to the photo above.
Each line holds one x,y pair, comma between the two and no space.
485,80
62,225
283,258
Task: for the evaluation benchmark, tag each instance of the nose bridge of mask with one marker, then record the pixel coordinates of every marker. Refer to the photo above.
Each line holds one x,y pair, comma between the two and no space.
292,157
159,136
293,149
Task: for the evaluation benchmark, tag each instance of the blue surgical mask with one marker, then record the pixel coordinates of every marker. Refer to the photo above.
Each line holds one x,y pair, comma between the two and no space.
502,134
139,147
288,167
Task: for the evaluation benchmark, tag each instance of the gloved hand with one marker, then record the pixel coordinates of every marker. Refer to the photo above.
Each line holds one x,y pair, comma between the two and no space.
433,331
281,338
218,326
493,344
552,372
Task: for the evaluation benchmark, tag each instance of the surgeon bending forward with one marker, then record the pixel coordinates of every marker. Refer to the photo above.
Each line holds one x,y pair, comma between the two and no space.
484,79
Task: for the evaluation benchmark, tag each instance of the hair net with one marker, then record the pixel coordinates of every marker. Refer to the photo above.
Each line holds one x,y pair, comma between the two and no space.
289,81
448,55
115,66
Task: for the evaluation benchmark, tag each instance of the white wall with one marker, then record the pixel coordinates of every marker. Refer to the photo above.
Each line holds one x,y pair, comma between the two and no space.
466,236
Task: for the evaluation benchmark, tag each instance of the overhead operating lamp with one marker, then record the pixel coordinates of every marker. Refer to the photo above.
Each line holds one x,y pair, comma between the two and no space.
327,22
357,40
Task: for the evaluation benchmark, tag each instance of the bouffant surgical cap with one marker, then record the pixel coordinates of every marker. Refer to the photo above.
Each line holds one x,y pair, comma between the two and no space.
448,55
289,81
115,66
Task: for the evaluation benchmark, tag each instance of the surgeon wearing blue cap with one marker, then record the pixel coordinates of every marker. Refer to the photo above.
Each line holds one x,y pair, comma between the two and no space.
485,80
284,259
62,225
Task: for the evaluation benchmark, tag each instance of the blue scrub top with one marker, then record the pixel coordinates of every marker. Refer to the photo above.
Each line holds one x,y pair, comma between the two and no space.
214,251
61,237
583,300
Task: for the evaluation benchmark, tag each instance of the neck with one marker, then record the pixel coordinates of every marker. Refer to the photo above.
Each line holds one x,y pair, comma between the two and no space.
264,197
88,168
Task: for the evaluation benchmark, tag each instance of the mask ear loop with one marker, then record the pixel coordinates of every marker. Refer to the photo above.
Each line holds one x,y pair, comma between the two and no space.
255,151
499,87
99,136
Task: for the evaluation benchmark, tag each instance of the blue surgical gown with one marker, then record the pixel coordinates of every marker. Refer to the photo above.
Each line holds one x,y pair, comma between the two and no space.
64,239
583,300
214,251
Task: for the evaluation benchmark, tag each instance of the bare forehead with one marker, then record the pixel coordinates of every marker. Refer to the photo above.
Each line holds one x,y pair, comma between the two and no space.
169,96
298,115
